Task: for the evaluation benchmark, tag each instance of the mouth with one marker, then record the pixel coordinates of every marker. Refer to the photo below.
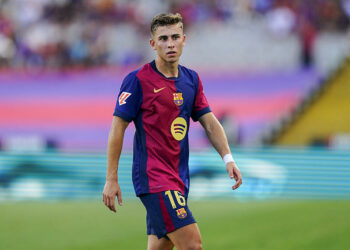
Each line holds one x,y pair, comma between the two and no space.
171,53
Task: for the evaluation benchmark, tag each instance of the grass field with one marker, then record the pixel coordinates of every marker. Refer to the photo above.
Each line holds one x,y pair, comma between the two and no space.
223,224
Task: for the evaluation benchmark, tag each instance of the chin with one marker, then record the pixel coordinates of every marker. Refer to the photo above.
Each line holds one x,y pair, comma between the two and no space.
170,59
173,60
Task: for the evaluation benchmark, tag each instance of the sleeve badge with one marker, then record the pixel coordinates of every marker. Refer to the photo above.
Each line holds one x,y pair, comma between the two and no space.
122,98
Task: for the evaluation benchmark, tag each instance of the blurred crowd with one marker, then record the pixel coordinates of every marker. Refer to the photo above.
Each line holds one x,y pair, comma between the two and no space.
83,33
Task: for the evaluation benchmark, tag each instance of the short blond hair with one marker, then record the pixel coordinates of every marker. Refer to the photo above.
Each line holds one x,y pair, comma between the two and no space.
165,19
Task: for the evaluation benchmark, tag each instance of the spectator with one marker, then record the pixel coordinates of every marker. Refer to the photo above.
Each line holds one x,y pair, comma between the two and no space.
59,33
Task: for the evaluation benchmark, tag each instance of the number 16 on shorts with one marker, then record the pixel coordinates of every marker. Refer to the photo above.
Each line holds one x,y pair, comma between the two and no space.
178,203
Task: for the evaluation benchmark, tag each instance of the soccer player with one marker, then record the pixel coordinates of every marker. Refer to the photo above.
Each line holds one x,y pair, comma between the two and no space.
160,98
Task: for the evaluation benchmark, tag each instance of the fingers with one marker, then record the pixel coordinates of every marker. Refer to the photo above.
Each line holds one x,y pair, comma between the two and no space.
234,172
119,197
110,191
111,205
109,201
238,183
238,178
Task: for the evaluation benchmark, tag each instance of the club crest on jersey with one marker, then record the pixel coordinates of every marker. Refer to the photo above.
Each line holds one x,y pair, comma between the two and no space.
122,98
178,99
181,213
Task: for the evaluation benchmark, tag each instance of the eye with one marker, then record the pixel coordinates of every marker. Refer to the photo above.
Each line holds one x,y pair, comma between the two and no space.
163,38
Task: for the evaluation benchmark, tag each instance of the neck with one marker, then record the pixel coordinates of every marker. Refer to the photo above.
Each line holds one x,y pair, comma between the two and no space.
166,68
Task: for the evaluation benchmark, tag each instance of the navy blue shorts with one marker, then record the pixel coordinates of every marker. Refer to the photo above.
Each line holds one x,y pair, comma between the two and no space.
166,212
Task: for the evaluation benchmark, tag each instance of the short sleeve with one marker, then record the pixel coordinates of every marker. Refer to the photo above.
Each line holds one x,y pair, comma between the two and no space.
129,98
201,105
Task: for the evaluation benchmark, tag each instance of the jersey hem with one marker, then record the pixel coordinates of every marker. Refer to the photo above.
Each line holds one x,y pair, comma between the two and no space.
161,189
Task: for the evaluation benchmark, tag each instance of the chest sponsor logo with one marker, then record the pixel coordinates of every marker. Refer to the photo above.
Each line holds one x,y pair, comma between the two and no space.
179,128
158,90
123,96
181,213
178,100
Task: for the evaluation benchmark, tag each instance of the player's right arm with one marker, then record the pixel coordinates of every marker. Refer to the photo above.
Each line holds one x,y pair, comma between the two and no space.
115,143
126,110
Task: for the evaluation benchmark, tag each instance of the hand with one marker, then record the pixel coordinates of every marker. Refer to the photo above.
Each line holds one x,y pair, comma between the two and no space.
110,191
234,172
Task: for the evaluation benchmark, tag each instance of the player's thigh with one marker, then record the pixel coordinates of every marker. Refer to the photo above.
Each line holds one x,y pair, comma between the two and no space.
159,244
187,237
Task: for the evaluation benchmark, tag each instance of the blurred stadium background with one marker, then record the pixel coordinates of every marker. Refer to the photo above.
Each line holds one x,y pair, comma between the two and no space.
276,73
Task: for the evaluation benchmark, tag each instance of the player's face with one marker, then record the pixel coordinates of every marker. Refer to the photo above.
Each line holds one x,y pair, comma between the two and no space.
168,41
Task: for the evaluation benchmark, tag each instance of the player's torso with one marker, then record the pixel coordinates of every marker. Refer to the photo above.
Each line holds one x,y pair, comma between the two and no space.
167,103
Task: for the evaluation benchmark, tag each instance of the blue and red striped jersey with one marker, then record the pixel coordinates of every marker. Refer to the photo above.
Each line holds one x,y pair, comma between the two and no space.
161,109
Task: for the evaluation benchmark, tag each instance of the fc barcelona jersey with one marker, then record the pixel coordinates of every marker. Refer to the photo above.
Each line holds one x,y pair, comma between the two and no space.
161,109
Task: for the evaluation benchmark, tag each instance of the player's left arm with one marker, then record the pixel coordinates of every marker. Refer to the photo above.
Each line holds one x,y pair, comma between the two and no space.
217,138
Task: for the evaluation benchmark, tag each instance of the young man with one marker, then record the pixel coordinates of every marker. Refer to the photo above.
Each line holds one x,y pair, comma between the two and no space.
160,98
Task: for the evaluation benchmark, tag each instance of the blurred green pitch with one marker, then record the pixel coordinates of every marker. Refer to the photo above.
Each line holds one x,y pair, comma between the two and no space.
223,224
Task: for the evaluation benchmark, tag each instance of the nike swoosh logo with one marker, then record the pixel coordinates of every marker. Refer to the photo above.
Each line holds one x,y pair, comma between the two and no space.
157,90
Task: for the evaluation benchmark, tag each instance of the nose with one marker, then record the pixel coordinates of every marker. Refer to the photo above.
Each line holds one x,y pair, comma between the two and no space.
171,43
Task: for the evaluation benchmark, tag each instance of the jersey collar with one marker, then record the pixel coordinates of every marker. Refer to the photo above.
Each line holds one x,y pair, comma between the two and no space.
153,65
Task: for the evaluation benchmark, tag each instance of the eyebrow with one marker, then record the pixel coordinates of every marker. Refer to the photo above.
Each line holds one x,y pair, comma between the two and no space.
166,36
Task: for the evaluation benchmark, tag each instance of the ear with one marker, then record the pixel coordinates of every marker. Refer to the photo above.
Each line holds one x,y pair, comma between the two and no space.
184,41
153,44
